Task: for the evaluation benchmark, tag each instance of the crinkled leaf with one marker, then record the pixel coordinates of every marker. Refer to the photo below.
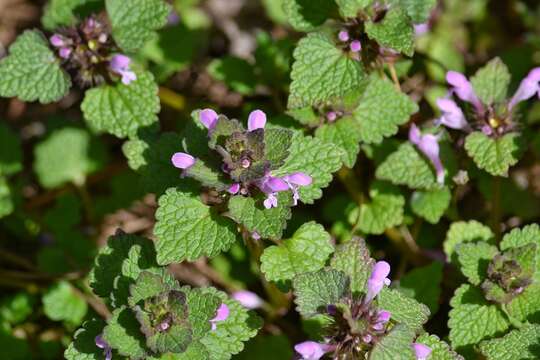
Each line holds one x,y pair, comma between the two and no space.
440,350
350,8
62,303
396,345
187,229
526,306
59,13
419,10
490,83
465,231
321,72
315,158
424,285
208,175
147,285
474,259
10,152
268,223
529,234
83,346
352,258
276,146
384,211
32,72
306,15
315,290
404,309
134,22
494,155
431,204
520,344
121,109
122,333
472,318
381,109
345,134
55,166
395,31
307,250
202,307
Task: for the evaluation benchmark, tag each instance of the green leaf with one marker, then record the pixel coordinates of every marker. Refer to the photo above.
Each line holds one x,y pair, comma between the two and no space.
61,303
121,109
6,198
345,134
404,309
119,264
134,150
526,306
494,155
396,345
381,109
384,211
83,346
16,308
315,158
276,146
395,31
490,83
520,344
122,334
58,13
55,166
424,285
32,72
465,231
268,223
10,152
350,8
306,15
431,204
134,22
529,234
209,175
472,318
352,258
237,73
440,350
202,307
406,166
146,286
321,72
419,10
306,251
474,259
187,229
315,290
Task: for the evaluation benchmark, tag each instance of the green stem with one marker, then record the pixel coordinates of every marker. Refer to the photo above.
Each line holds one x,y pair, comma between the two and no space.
496,208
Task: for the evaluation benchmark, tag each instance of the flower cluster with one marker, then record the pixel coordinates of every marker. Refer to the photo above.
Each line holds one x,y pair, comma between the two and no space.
354,45
243,158
88,52
492,119
428,144
358,325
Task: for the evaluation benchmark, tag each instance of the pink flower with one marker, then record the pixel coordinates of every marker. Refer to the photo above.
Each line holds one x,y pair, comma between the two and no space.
222,314
102,344
58,41
294,181
331,116
452,115
463,89
120,64
377,280
343,36
527,88
311,350
355,46
421,29
271,201
421,351
208,118
234,188
256,120
428,144
182,160
248,299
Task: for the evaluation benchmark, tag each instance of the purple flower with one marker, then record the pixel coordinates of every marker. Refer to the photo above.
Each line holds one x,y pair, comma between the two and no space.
421,29
311,350
377,280
421,351
428,144
270,185
209,119
343,36
255,235
120,64
355,46
527,88
58,41
248,299
222,314
271,201
294,181
452,116
102,344
234,188
256,120
383,317
65,52
182,160
331,116
463,89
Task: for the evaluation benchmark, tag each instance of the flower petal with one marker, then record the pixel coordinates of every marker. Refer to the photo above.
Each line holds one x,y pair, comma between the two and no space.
256,120
421,351
298,178
527,88
182,160
208,118
463,88
452,115
248,299
310,350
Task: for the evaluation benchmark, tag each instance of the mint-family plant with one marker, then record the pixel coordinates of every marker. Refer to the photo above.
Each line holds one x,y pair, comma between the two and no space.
288,179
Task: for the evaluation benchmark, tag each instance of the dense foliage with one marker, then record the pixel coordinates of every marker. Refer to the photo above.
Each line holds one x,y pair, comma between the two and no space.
274,179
